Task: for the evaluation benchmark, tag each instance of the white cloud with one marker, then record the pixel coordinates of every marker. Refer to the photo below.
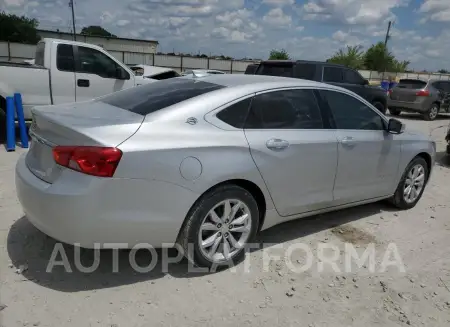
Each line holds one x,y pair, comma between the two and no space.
278,3
435,10
14,3
123,22
352,11
277,17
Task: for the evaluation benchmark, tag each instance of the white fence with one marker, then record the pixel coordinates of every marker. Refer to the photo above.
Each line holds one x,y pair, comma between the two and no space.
19,52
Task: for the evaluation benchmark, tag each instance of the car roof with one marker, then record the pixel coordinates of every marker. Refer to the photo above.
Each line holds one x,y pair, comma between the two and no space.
261,81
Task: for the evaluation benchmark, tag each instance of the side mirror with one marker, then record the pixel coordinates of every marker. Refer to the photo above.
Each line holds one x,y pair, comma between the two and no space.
365,82
395,126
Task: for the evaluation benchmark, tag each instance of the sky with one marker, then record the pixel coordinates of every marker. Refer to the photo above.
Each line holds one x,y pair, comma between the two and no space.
307,29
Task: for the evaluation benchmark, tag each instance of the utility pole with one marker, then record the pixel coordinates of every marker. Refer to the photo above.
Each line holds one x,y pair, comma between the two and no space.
72,6
387,34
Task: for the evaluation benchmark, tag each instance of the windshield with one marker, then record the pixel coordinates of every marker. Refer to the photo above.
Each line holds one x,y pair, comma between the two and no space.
152,97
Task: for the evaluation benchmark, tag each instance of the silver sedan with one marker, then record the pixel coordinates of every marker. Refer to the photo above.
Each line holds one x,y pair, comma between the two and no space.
206,163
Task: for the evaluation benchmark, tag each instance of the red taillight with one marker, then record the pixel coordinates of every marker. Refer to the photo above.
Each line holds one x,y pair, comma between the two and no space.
423,93
90,160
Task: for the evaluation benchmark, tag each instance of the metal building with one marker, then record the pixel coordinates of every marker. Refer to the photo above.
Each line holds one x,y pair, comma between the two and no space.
108,43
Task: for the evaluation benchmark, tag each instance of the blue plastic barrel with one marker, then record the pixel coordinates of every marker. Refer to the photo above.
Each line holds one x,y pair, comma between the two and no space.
385,85
392,85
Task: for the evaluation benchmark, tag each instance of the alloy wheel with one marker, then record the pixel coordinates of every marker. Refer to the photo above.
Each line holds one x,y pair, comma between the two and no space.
225,230
414,183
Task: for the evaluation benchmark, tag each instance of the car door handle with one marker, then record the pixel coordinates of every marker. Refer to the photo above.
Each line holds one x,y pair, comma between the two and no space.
83,83
277,144
348,141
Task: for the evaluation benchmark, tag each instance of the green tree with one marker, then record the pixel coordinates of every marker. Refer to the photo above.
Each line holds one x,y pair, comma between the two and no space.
96,31
279,55
400,66
352,57
18,29
443,71
378,58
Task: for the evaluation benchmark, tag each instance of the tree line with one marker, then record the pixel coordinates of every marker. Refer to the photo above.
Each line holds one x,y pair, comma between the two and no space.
376,58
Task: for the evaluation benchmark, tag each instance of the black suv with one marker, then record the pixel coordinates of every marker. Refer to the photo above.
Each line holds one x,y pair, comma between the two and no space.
338,75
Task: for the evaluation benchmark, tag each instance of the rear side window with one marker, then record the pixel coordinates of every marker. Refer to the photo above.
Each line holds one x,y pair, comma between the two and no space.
40,54
251,69
165,75
236,114
413,84
64,58
152,97
305,71
352,77
289,109
284,70
332,74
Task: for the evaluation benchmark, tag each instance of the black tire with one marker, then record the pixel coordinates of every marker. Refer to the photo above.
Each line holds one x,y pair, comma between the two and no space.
191,227
381,107
395,112
432,113
398,198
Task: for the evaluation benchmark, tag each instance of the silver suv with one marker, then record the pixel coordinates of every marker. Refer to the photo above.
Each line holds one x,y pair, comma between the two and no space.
427,97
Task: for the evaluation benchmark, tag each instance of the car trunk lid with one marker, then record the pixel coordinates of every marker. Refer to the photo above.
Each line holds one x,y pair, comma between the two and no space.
408,90
84,124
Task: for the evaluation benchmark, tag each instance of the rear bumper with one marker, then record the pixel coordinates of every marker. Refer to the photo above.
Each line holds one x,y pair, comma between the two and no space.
90,212
408,106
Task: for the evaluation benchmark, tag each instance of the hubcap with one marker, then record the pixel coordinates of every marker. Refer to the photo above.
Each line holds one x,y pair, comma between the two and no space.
434,112
225,230
414,183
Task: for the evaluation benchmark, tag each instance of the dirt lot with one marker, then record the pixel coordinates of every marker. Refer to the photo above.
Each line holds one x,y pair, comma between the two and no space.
249,295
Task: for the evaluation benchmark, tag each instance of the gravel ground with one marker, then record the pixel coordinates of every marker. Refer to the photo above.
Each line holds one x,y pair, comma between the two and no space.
256,292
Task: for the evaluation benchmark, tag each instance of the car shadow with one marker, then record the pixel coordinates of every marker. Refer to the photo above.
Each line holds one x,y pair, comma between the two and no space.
28,246
443,159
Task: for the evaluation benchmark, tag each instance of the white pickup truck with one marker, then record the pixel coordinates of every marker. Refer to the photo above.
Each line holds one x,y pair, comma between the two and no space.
64,72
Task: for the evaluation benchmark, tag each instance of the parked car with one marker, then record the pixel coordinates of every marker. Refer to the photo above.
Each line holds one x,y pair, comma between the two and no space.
209,162
145,73
202,72
338,75
251,69
427,97
63,72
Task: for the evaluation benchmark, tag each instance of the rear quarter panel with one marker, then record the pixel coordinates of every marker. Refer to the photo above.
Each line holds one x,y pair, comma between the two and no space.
196,157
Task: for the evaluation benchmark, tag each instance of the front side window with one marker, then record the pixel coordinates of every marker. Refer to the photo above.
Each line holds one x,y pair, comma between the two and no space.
92,61
350,113
152,97
332,74
288,109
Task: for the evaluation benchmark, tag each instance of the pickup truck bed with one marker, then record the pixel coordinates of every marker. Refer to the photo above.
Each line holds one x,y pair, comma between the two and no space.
25,78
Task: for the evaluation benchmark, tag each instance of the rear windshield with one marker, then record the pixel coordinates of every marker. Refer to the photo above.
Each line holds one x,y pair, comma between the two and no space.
40,54
275,69
152,97
411,84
